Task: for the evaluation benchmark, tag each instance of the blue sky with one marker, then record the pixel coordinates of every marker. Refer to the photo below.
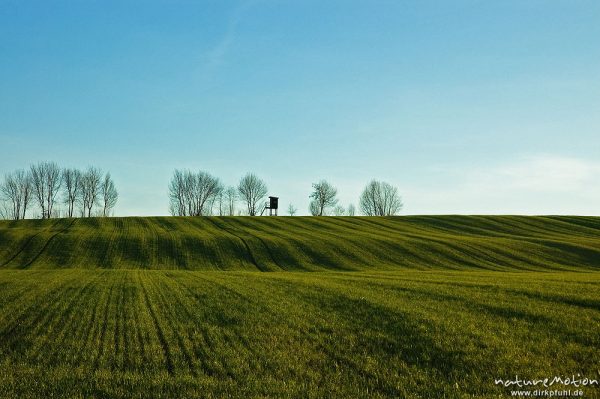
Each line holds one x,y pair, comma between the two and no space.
465,106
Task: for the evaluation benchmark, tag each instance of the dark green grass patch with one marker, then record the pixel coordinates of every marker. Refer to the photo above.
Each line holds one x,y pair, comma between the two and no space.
304,243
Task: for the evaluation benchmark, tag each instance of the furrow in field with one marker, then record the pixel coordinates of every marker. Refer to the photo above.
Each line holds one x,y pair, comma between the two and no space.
70,327
47,243
117,317
252,334
325,243
26,242
281,318
168,360
35,307
215,308
89,322
263,244
171,309
52,325
305,243
139,342
18,296
249,252
215,318
100,337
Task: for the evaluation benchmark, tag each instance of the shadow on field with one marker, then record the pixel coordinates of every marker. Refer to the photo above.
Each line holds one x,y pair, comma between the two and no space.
506,311
390,338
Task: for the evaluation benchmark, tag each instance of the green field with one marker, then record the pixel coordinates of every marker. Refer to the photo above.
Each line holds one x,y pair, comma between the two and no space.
423,307
305,243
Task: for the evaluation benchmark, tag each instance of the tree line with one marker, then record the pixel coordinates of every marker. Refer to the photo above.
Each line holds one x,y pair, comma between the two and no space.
40,190
200,194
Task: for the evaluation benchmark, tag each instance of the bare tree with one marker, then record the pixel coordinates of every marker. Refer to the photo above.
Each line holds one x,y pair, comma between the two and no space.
230,198
313,208
4,209
109,194
252,190
46,179
16,189
324,196
339,210
380,199
219,199
292,210
206,190
25,187
214,205
193,194
72,189
220,203
177,194
90,189
189,190
351,210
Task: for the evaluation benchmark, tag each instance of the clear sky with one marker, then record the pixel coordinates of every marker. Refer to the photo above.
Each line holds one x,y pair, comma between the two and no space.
465,106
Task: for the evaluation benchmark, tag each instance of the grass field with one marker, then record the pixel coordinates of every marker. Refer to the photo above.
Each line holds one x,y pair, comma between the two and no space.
117,333
305,243
87,319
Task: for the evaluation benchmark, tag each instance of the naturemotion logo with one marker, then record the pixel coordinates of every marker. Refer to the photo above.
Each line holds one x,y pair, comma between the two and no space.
573,381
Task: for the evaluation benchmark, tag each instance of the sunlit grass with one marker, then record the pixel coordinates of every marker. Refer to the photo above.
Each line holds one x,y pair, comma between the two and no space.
136,333
408,307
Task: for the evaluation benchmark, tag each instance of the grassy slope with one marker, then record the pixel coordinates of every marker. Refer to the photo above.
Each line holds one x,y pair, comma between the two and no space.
304,243
137,333
446,330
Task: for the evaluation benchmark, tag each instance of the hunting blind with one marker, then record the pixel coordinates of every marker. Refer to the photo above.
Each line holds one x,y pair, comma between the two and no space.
272,206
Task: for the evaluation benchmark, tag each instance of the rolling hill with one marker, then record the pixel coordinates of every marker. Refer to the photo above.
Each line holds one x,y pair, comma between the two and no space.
304,243
425,315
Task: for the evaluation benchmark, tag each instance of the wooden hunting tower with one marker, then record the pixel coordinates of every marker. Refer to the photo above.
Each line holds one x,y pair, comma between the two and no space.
272,206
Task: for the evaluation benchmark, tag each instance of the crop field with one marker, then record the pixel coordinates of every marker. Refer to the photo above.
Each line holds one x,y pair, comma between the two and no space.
305,243
102,308
123,333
